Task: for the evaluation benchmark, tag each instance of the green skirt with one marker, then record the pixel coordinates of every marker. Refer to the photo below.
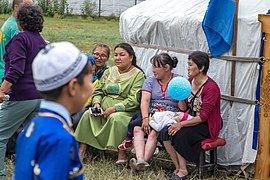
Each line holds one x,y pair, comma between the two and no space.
103,133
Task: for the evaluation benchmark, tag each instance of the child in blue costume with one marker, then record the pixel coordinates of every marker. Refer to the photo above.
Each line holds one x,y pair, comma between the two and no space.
46,148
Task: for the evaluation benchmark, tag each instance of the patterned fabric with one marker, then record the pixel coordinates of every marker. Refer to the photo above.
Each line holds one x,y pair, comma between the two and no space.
159,98
114,89
55,81
197,104
46,149
89,101
63,62
209,105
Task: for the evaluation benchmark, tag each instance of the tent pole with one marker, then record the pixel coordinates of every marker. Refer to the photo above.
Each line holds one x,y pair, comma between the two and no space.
262,170
234,47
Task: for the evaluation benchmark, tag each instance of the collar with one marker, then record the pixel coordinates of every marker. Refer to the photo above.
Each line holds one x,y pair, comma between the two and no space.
102,69
58,108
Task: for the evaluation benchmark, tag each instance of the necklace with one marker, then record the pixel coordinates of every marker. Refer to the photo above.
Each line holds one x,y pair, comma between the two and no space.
163,91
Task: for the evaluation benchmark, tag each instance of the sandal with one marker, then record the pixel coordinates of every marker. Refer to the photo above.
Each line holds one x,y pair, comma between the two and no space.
142,165
121,162
125,145
176,177
133,164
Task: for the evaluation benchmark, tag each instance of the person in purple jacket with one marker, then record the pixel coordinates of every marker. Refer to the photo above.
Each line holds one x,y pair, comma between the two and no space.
18,82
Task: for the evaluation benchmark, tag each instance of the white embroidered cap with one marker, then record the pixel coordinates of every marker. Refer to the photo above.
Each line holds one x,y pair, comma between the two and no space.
56,64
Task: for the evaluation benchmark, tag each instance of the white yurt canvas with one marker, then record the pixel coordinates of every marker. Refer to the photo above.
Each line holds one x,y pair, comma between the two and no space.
177,25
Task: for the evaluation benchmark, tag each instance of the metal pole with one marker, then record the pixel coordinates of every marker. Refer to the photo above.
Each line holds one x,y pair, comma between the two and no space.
99,8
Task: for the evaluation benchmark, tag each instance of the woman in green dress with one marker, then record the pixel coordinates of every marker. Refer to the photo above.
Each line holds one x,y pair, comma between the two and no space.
118,94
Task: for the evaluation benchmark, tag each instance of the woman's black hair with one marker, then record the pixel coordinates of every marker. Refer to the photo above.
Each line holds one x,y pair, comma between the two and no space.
102,46
130,51
30,17
201,59
160,60
55,93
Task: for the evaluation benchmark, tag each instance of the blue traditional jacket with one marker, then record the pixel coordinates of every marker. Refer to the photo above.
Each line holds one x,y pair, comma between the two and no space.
46,148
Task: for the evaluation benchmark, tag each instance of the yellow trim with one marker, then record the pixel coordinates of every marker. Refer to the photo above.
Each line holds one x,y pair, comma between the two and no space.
78,173
65,125
70,130
115,76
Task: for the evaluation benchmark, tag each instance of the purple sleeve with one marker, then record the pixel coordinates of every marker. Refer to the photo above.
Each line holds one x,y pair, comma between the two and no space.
17,57
148,84
210,98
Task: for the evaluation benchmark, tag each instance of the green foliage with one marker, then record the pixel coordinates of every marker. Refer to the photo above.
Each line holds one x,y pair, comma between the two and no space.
88,8
62,7
43,5
54,7
4,7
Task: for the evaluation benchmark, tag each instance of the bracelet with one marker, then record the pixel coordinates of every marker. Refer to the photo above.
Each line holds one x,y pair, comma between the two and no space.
145,117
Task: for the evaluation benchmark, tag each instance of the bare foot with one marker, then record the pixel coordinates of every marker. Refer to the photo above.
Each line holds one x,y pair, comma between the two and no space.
122,155
182,173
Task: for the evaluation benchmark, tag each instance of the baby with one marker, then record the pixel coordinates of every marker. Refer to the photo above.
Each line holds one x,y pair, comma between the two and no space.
158,120
161,119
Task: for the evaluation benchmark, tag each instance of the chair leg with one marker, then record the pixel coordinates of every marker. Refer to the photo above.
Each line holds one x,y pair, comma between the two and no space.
213,160
200,165
216,167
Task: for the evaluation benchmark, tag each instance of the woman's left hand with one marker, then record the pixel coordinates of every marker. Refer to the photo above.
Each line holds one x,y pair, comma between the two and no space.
109,111
174,128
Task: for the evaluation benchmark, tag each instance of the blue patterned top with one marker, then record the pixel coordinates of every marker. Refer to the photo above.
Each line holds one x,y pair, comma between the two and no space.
159,98
47,149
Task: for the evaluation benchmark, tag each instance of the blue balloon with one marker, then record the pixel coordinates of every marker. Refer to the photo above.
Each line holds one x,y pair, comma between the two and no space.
179,88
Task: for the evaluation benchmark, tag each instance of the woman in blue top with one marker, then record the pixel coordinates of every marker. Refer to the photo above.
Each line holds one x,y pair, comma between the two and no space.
154,96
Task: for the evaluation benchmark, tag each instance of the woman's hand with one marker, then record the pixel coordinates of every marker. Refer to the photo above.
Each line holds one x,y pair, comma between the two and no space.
174,128
109,111
3,89
145,126
96,105
2,96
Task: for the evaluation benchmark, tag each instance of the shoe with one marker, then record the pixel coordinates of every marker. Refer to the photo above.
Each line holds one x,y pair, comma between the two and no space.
133,164
142,165
121,162
156,151
176,177
126,145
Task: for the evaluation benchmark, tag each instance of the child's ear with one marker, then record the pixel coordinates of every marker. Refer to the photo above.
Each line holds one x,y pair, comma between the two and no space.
72,87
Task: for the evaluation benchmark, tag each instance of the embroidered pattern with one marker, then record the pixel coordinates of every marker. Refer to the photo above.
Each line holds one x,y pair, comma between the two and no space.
54,79
30,129
37,170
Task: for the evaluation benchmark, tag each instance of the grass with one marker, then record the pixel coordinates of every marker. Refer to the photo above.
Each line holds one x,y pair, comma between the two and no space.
99,165
83,32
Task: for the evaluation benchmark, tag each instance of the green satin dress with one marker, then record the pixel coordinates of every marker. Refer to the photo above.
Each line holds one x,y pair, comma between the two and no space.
114,89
